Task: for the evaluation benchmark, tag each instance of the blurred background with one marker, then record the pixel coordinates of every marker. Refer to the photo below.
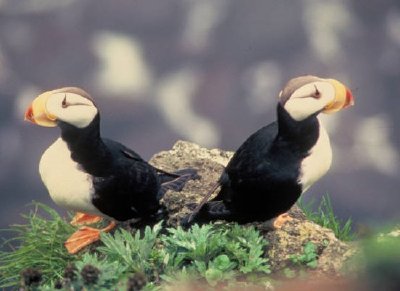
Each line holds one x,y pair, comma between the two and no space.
209,72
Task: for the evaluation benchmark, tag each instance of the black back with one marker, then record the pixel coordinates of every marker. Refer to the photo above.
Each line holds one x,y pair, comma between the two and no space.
261,180
125,185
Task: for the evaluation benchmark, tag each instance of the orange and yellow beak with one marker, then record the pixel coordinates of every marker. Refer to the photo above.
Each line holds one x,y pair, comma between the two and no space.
343,98
37,112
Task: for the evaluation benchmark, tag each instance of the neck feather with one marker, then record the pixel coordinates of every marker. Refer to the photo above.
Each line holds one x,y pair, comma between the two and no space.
303,134
86,146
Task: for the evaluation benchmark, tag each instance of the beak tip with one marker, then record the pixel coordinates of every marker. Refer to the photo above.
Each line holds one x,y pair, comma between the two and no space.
29,115
349,98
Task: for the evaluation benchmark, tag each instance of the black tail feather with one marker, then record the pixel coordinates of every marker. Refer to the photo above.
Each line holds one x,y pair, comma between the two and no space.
212,210
204,202
176,181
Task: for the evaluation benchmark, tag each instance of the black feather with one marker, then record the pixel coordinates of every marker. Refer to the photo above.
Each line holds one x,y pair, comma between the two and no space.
261,180
126,186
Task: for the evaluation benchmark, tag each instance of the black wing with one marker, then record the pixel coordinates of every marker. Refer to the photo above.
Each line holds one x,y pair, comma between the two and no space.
169,181
240,167
252,151
117,148
131,187
248,160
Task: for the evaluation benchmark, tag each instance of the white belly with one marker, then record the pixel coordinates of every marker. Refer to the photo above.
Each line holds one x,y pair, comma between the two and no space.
318,162
68,185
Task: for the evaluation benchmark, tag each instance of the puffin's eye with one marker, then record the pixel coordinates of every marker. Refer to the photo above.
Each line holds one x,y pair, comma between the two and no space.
316,94
64,103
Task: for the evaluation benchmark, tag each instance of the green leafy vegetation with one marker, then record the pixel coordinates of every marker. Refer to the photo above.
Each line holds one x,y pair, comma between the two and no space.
143,259
37,244
325,216
308,258
217,254
135,252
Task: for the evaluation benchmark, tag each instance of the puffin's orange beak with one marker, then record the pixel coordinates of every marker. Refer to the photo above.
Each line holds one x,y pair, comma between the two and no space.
343,98
37,112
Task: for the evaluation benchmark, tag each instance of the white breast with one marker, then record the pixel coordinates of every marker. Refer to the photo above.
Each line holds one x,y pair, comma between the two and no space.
68,185
318,162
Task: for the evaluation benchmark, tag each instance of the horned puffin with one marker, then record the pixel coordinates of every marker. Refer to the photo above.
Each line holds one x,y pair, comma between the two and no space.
279,162
95,176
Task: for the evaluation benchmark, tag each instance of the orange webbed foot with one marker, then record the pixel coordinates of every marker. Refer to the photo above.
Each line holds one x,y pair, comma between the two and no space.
84,237
281,220
83,218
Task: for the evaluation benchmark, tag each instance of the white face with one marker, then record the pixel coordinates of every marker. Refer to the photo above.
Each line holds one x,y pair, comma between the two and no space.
71,108
309,99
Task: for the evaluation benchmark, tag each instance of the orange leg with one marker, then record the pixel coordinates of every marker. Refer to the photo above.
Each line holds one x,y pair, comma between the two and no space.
83,218
84,237
281,220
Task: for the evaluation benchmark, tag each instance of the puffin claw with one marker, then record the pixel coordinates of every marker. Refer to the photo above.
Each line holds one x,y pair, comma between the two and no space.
281,220
81,238
83,218
84,237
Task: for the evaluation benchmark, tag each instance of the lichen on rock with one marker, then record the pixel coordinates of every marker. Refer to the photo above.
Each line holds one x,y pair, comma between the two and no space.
283,243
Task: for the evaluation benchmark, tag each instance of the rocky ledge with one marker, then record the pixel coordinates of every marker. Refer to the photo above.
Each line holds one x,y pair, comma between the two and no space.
284,244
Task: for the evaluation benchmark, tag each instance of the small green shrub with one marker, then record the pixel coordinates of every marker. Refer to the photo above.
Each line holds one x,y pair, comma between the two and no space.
308,258
143,260
216,253
135,252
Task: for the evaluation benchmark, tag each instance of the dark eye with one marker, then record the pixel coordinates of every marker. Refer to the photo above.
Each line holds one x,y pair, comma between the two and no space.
64,103
317,94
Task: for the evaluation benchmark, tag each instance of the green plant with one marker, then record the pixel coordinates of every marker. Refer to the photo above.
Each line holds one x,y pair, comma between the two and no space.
214,253
92,272
219,269
109,271
325,216
218,254
135,252
308,258
114,264
247,246
198,244
37,244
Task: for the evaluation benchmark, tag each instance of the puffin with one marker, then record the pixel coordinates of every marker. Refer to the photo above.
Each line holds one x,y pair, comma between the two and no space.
280,161
93,176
